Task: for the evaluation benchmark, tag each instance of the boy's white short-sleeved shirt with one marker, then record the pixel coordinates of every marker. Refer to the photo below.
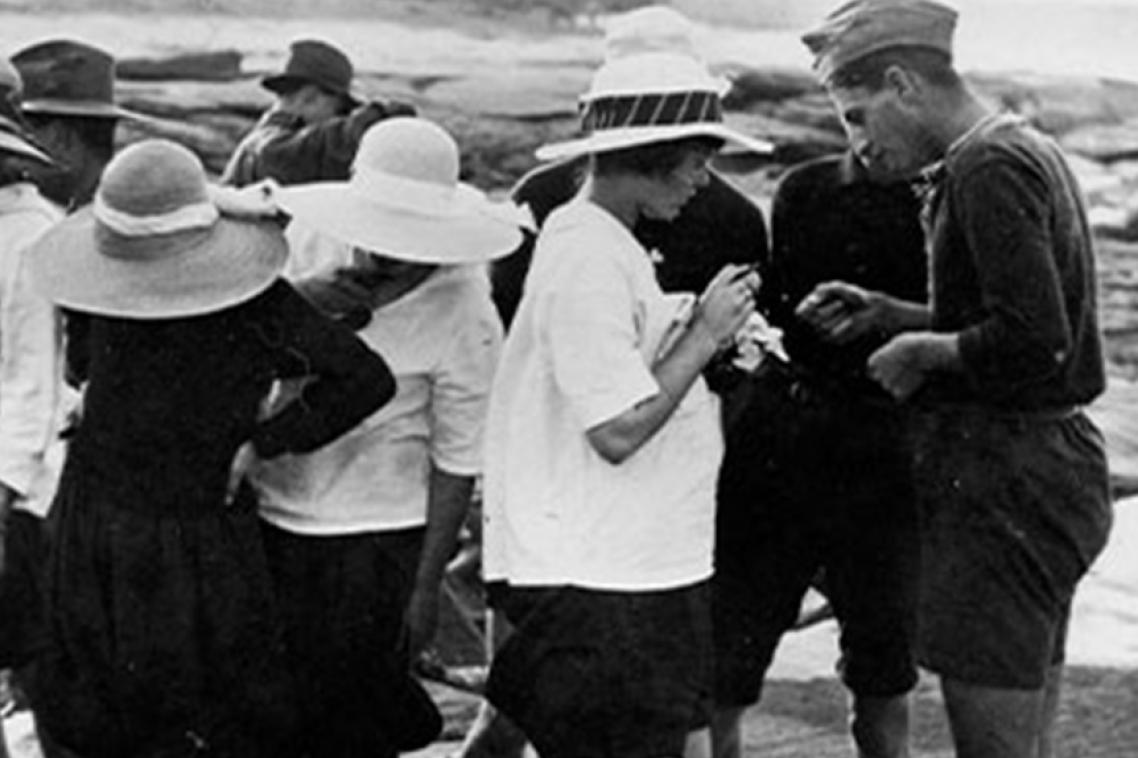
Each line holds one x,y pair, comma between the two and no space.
580,353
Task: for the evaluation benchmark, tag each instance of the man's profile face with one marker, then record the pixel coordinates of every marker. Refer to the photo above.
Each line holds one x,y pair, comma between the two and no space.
311,103
885,132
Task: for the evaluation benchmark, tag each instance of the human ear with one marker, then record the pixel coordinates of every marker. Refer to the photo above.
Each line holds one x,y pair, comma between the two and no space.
904,84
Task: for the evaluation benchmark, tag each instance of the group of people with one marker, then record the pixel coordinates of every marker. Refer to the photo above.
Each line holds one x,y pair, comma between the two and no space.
241,424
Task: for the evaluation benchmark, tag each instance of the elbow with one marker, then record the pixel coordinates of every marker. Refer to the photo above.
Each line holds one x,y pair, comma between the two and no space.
613,447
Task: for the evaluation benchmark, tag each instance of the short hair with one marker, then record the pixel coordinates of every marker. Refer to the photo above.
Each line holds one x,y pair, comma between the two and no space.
654,159
931,64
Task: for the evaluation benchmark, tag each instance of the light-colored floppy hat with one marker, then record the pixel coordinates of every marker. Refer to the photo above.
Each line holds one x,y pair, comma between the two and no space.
404,200
153,245
651,87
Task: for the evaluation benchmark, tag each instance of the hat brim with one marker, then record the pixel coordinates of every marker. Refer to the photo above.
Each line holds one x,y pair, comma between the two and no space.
282,83
84,108
472,231
617,139
212,269
14,144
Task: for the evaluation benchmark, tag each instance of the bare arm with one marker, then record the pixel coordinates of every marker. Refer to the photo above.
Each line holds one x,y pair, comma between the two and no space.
723,308
448,499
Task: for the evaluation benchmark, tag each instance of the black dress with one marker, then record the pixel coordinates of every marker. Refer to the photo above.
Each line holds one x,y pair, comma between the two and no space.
164,637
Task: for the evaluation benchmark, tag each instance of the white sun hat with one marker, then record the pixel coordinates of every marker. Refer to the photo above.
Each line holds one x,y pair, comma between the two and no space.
404,200
652,87
153,245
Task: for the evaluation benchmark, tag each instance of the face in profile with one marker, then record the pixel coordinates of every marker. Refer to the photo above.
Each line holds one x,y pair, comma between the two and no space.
885,132
666,194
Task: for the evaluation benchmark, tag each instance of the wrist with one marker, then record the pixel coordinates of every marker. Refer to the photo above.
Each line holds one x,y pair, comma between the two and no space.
940,352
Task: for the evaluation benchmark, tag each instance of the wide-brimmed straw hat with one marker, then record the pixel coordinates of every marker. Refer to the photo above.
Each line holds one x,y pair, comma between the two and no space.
313,61
404,200
651,87
68,78
153,244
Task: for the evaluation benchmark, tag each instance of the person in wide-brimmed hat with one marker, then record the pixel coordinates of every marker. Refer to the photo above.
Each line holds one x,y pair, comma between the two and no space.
311,132
603,441
163,627
68,99
399,251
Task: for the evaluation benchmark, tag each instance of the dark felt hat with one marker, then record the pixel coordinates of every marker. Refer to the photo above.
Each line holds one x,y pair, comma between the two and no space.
68,78
861,27
312,61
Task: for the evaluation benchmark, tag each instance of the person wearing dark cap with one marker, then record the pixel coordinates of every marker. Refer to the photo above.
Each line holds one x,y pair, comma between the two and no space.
1011,475
68,100
312,131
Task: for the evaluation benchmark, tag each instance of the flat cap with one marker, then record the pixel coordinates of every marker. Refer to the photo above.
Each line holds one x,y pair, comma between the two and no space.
861,27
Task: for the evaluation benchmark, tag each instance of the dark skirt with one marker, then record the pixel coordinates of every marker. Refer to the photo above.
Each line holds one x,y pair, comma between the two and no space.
344,598
163,634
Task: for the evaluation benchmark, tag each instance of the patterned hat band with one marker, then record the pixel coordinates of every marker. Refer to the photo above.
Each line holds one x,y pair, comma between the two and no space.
666,109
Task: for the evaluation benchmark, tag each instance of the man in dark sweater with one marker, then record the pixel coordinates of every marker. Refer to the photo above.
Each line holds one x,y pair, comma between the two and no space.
816,477
312,131
1011,474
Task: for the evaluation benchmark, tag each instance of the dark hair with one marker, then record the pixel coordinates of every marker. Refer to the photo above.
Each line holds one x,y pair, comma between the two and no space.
935,66
653,159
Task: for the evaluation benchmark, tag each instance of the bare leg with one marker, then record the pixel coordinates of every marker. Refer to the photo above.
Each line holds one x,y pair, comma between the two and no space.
1050,710
698,744
991,722
880,726
727,732
493,735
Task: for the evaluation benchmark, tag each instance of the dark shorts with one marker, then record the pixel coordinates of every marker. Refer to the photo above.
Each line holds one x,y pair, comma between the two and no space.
1014,510
589,673
22,632
815,485
343,599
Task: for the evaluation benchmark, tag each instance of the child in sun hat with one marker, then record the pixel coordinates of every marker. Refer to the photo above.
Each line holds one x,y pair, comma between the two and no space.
164,635
360,531
603,442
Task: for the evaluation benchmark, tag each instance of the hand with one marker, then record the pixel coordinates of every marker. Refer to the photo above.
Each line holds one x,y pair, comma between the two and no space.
727,302
841,312
902,364
421,620
242,462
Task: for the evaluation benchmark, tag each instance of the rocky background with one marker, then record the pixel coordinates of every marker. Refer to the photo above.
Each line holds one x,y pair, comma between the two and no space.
502,107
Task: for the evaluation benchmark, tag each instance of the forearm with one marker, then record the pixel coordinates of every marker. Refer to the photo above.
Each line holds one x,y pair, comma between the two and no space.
905,316
448,500
675,372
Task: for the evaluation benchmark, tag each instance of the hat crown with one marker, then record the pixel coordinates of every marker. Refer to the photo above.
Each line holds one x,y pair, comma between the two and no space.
408,148
66,70
154,177
316,62
651,51
861,27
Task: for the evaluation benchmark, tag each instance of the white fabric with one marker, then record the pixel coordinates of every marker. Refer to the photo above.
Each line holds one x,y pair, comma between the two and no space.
382,188
441,341
196,216
31,360
579,353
